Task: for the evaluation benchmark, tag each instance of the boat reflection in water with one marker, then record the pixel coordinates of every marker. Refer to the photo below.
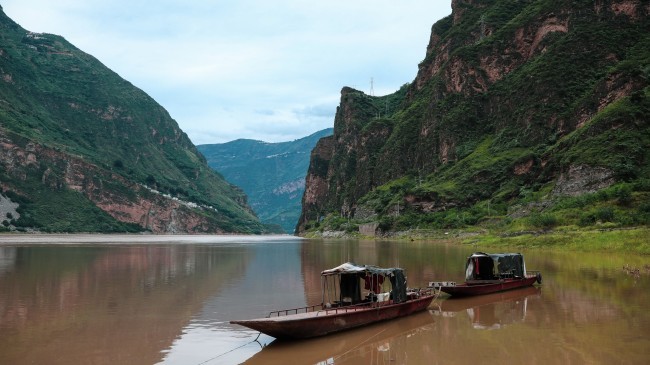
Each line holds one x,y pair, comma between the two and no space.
386,342
491,311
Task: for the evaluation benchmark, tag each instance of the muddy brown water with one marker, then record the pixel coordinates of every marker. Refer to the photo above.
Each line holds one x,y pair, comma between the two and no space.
98,299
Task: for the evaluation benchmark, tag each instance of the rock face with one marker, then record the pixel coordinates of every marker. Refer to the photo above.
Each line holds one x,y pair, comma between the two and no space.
145,207
342,167
579,180
82,149
315,198
511,95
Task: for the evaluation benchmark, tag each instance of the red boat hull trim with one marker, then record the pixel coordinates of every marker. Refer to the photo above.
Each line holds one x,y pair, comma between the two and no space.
467,289
326,321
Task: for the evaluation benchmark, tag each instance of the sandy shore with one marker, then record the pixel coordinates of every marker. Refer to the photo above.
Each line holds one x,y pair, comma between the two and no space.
37,238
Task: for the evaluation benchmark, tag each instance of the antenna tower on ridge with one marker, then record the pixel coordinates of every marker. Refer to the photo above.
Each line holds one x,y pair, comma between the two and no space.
372,88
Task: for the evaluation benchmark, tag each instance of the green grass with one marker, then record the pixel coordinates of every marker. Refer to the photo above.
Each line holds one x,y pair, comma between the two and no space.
635,240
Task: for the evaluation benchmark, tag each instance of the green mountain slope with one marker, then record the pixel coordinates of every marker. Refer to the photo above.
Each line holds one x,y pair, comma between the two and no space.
82,149
271,174
524,115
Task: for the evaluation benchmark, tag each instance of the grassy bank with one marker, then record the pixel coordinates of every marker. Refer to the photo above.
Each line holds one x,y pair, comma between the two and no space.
631,240
616,218
623,240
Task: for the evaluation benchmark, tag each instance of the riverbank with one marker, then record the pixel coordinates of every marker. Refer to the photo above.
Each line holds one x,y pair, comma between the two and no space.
629,240
624,240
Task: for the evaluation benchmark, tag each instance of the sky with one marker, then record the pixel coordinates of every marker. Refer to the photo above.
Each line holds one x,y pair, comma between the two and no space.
269,70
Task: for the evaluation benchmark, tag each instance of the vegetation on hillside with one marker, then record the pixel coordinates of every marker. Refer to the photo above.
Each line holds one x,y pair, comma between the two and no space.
491,155
57,97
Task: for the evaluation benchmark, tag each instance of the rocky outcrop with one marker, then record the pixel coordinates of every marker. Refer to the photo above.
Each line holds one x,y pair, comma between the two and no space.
579,180
516,47
290,187
633,9
153,211
7,210
316,196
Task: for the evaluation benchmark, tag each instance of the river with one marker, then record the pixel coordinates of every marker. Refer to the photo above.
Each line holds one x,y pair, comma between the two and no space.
104,299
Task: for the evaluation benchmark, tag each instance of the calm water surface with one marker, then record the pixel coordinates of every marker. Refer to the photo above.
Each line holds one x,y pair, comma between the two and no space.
168,299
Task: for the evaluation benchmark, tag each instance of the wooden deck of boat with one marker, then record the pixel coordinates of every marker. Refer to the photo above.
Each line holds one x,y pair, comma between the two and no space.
319,313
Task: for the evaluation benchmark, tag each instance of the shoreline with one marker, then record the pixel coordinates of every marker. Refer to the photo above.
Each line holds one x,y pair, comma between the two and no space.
623,240
7,239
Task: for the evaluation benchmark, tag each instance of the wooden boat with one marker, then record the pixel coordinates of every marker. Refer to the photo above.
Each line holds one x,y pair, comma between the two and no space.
491,273
345,305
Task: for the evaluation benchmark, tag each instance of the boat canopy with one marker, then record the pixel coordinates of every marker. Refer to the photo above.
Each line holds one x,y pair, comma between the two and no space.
352,268
484,266
350,274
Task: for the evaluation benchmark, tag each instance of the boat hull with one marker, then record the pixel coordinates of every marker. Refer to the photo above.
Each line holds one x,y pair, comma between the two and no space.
467,289
320,323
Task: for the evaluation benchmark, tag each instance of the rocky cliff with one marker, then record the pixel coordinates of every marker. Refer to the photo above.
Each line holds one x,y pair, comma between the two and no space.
514,101
81,149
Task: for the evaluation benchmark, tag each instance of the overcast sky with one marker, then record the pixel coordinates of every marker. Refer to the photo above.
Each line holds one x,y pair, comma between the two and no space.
270,70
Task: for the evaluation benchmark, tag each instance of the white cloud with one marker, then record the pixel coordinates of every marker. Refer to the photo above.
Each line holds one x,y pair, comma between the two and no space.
268,70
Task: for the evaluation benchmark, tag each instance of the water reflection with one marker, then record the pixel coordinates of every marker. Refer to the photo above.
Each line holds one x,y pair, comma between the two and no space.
491,311
170,302
7,259
388,342
270,279
105,305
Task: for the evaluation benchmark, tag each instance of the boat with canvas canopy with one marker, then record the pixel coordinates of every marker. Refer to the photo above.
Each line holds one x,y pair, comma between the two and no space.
353,296
490,273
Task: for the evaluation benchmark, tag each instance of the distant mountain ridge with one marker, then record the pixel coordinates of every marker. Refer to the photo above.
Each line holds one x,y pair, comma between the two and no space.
83,150
271,174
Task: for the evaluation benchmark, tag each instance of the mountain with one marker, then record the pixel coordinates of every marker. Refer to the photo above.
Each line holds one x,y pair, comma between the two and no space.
83,150
271,174
524,115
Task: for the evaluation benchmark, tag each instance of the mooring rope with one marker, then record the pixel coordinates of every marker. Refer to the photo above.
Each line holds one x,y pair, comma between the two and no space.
359,345
229,351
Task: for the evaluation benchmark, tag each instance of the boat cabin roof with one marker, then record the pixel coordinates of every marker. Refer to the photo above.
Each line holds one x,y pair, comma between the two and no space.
352,268
498,256
349,275
487,266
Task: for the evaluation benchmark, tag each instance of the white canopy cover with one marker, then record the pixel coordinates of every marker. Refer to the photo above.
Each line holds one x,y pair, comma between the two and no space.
352,268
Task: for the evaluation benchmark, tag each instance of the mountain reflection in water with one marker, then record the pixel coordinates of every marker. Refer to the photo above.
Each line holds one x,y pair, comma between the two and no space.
168,300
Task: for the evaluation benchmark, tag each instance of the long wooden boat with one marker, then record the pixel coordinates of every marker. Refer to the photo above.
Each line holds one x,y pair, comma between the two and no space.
491,273
345,305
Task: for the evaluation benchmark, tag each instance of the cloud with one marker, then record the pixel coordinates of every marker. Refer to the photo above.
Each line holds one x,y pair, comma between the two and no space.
268,70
